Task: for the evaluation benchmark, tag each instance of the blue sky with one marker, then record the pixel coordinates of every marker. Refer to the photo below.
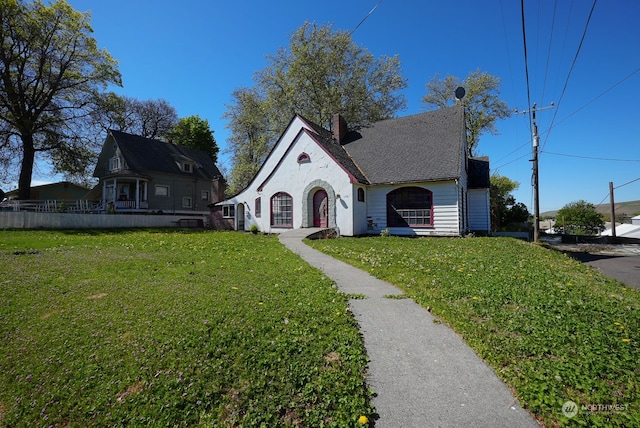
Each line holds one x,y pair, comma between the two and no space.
196,52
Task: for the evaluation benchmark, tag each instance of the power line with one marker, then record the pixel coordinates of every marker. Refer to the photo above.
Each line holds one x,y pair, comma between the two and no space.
526,59
629,182
575,59
546,71
510,162
595,99
637,70
605,197
592,157
506,43
365,18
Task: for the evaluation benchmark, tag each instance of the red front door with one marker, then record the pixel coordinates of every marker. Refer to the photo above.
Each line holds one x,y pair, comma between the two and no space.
320,208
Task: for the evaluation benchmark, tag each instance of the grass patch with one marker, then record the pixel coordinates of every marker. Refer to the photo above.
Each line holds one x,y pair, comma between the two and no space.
551,328
172,328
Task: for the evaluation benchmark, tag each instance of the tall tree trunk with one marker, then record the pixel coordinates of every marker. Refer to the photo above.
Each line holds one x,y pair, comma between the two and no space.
26,172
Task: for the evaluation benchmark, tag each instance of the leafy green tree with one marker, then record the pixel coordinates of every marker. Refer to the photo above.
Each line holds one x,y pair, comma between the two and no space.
579,218
194,132
504,208
320,73
52,72
481,102
250,139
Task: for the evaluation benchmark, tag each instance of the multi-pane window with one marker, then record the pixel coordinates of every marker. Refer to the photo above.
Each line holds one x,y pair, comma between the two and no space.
281,210
186,202
228,211
258,207
162,190
410,207
114,164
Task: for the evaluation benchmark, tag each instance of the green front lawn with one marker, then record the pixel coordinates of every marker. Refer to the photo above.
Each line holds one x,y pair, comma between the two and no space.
171,328
552,329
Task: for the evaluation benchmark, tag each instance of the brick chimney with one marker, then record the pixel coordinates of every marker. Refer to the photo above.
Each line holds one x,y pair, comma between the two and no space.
339,127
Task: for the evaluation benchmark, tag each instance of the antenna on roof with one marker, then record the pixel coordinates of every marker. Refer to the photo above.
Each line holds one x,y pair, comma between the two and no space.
460,92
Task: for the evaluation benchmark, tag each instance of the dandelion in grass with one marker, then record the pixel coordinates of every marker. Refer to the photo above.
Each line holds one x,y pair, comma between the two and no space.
362,420
626,340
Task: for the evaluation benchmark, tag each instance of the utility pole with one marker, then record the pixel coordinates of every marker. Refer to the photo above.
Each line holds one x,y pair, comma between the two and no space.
612,208
535,180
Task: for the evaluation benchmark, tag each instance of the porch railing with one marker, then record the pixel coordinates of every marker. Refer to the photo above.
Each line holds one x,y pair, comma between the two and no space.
71,206
52,205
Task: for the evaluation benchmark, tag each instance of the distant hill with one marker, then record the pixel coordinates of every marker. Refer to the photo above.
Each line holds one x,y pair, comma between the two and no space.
629,208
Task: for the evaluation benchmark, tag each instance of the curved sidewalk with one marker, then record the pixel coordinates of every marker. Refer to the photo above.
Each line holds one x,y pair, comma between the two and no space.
422,373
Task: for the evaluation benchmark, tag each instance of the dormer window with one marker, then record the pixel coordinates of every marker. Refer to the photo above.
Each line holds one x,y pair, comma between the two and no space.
114,164
187,167
304,158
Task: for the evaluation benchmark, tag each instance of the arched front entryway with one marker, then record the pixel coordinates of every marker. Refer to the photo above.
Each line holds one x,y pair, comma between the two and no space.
240,214
311,192
320,208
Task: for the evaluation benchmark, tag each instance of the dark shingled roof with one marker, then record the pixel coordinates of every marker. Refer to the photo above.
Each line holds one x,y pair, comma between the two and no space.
422,147
325,138
147,155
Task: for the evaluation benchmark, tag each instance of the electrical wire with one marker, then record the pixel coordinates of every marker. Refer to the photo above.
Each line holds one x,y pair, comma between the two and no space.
526,61
566,82
546,71
617,187
595,99
592,157
510,162
628,182
365,18
605,197
506,43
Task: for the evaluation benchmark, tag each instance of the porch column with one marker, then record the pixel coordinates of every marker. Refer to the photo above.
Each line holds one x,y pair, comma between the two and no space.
137,193
115,191
103,199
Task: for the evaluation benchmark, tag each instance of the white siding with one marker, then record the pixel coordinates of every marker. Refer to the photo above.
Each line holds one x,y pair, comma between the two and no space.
283,173
479,215
446,209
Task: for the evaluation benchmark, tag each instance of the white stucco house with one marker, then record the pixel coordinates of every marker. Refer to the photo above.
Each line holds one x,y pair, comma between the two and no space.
410,175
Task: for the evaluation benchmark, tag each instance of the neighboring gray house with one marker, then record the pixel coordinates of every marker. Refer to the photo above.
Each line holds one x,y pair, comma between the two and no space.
140,174
410,175
63,190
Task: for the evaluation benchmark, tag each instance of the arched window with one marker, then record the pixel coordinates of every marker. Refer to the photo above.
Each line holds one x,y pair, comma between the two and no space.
281,210
304,158
360,194
258,207
410,207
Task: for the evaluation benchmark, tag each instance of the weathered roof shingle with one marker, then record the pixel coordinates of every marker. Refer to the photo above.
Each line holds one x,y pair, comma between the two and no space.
143,155
421,147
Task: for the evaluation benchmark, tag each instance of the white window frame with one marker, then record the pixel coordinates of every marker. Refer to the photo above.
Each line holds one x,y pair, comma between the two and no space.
187,202
204,195
228,211
162,194
114,164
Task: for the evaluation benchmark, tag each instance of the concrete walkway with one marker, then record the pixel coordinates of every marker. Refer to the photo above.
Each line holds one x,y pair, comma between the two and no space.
423,374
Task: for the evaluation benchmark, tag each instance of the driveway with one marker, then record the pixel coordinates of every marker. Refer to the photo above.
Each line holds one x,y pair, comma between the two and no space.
621,262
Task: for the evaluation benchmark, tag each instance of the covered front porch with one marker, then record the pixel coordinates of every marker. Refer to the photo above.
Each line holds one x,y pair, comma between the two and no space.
125,194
